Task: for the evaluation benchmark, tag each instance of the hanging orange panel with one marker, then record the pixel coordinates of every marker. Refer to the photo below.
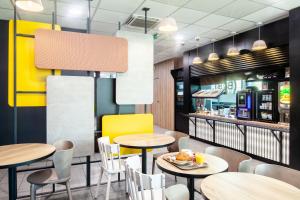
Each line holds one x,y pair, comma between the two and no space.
31,81
80,51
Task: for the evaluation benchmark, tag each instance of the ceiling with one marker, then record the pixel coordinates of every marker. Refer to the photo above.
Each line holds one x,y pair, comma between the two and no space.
208,19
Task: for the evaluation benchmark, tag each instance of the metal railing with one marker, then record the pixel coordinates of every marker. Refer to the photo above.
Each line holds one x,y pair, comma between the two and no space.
261,143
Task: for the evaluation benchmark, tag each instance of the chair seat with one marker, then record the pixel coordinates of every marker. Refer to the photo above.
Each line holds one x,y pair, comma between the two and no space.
177,192
44,177
156,155
118,167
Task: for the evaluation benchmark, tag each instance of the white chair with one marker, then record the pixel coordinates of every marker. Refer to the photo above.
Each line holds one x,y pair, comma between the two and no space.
151,187
111,163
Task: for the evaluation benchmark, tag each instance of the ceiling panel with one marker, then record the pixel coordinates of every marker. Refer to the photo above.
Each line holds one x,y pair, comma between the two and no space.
36,17
238,25
193,30
240,8
5,4
100,33
125,6
6,14
173,2
189,16
78,10
216,34
287,4
104,27
157,10
266,15
268,2
207,5
110,16
213,21
71,23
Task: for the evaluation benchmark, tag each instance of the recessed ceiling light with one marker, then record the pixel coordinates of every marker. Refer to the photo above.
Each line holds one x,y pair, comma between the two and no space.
75,11
168,25
179,38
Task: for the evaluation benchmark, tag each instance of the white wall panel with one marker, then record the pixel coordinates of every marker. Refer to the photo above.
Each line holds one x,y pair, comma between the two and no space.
136,85
70,111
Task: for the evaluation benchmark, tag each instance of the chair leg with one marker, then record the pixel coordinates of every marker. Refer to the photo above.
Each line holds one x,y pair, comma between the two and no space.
108,187
32,192
126,183
69,190
99,181
153,165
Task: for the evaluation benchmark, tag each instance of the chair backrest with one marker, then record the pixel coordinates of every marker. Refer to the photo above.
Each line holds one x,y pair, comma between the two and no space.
232,157
134,162
108,153
246,166
62,158
288,175
142,185
181,141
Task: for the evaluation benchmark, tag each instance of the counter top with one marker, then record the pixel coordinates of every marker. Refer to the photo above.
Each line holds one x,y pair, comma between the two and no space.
271,126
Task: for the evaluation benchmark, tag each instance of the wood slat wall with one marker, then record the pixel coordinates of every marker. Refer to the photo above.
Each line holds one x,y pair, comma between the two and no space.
163,105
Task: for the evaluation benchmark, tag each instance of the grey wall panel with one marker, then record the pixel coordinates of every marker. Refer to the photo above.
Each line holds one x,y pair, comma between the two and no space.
136,85
106,99
70,111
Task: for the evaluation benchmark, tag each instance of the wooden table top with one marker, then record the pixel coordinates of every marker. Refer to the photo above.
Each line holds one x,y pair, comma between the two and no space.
144,140
20,154
237,186
215,165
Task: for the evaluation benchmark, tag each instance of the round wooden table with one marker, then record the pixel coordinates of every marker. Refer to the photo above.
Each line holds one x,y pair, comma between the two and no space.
144,142
215,165
236,186
12,156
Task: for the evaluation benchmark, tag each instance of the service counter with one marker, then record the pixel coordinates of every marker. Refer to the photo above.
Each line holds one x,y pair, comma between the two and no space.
269,141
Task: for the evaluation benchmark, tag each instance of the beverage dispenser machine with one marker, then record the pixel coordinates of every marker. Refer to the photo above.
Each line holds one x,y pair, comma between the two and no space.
245,104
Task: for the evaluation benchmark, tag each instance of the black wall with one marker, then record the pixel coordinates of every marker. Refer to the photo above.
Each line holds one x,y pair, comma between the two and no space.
295,91
275,34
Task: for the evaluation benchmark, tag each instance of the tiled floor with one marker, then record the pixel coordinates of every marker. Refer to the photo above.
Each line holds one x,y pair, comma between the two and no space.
78,179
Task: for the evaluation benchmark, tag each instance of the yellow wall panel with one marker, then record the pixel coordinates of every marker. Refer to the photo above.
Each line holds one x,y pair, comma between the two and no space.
29,78
117,125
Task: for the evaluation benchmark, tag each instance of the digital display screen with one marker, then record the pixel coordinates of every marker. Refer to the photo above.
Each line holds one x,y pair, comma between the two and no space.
285,93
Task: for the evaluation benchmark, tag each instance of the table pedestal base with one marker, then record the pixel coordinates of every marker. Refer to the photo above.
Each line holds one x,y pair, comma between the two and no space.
190,185
144,161
12,183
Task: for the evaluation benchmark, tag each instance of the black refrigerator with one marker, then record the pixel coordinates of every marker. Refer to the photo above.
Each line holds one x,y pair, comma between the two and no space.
266,106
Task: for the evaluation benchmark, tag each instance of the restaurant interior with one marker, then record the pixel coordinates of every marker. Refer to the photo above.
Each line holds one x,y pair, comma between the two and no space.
150,99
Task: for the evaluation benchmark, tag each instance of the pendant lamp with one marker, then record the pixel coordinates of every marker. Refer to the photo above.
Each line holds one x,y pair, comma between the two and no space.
197,60
168,25
259,44
233,51
213,56
30,5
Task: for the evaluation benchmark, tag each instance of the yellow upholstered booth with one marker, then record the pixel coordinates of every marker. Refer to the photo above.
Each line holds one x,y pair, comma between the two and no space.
31,81
117,125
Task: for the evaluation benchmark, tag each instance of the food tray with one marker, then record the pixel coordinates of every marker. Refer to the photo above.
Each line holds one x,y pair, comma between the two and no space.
189,165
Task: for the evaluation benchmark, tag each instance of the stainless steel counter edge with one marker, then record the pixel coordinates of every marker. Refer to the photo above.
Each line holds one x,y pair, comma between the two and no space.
271,126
